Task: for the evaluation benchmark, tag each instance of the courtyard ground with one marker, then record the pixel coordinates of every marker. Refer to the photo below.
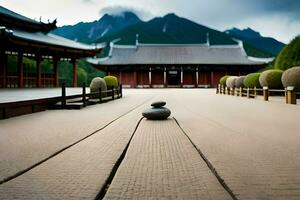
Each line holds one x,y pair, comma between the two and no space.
212,147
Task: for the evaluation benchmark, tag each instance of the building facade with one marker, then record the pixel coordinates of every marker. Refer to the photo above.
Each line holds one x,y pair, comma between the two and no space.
176,65
23,37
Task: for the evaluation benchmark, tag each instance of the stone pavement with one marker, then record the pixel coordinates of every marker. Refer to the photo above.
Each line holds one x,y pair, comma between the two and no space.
80,171
161,163
253,145
29,139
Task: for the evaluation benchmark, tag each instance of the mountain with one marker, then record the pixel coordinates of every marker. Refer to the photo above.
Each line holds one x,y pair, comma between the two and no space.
168,29
254,39
91,31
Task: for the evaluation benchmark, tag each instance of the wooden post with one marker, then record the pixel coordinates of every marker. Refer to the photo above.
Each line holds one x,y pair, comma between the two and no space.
255,92
63,95
100,95
286,96
248,92
55,69
241,91
291,95
228,90
38,70
218,89
233,91
121,90
83,94
20,70
73,61
266,93
113,93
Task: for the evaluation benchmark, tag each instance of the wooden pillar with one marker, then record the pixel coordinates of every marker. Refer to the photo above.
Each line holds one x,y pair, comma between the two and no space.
165,77
150,77
3,68
135,77
181,77
73,61
197,77
212,79
55,68
20,70
38,70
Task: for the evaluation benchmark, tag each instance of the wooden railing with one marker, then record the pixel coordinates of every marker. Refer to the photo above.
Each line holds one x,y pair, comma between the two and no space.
289,93
64,101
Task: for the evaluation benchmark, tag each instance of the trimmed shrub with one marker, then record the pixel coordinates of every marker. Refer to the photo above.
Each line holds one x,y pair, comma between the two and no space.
289,55
223,80
230,82
271,78
111,81
291,77
252,80
239,82
98,83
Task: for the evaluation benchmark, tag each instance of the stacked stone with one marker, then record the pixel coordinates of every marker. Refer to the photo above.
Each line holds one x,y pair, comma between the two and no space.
158,112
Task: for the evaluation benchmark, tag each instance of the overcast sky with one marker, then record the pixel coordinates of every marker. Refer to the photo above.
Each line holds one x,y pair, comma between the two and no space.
276,18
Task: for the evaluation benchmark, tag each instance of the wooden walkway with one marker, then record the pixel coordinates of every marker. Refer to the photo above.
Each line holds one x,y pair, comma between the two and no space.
105,151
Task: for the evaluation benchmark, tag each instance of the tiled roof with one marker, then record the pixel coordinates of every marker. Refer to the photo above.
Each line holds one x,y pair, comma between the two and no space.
178,54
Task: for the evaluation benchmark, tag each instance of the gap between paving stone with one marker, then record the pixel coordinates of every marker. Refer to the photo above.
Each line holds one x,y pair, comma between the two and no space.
162,162
209,164
79,172
67,147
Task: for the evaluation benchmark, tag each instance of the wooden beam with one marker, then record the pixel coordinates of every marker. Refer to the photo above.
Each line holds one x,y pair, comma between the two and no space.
20,70
73,61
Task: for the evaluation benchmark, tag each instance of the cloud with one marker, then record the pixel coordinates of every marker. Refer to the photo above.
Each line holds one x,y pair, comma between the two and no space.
120,10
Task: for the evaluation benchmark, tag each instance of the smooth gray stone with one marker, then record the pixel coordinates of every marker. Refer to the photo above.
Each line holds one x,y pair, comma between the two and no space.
158,104
157,113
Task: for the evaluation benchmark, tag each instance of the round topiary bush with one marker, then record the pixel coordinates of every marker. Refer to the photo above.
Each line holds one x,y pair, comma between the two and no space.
98,83
291,77
271,78
223,80
230,82
239,82
289,55
111,81
252,80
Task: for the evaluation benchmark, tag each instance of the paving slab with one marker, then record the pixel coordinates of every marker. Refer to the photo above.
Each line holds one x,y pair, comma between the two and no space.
28,139
79,172
253,145
161,163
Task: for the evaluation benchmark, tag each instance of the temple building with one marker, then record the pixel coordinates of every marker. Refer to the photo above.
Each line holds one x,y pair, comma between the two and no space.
23,37
176,65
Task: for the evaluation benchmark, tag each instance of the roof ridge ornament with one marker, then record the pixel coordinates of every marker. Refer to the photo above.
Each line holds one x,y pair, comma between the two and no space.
207,39
137,39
